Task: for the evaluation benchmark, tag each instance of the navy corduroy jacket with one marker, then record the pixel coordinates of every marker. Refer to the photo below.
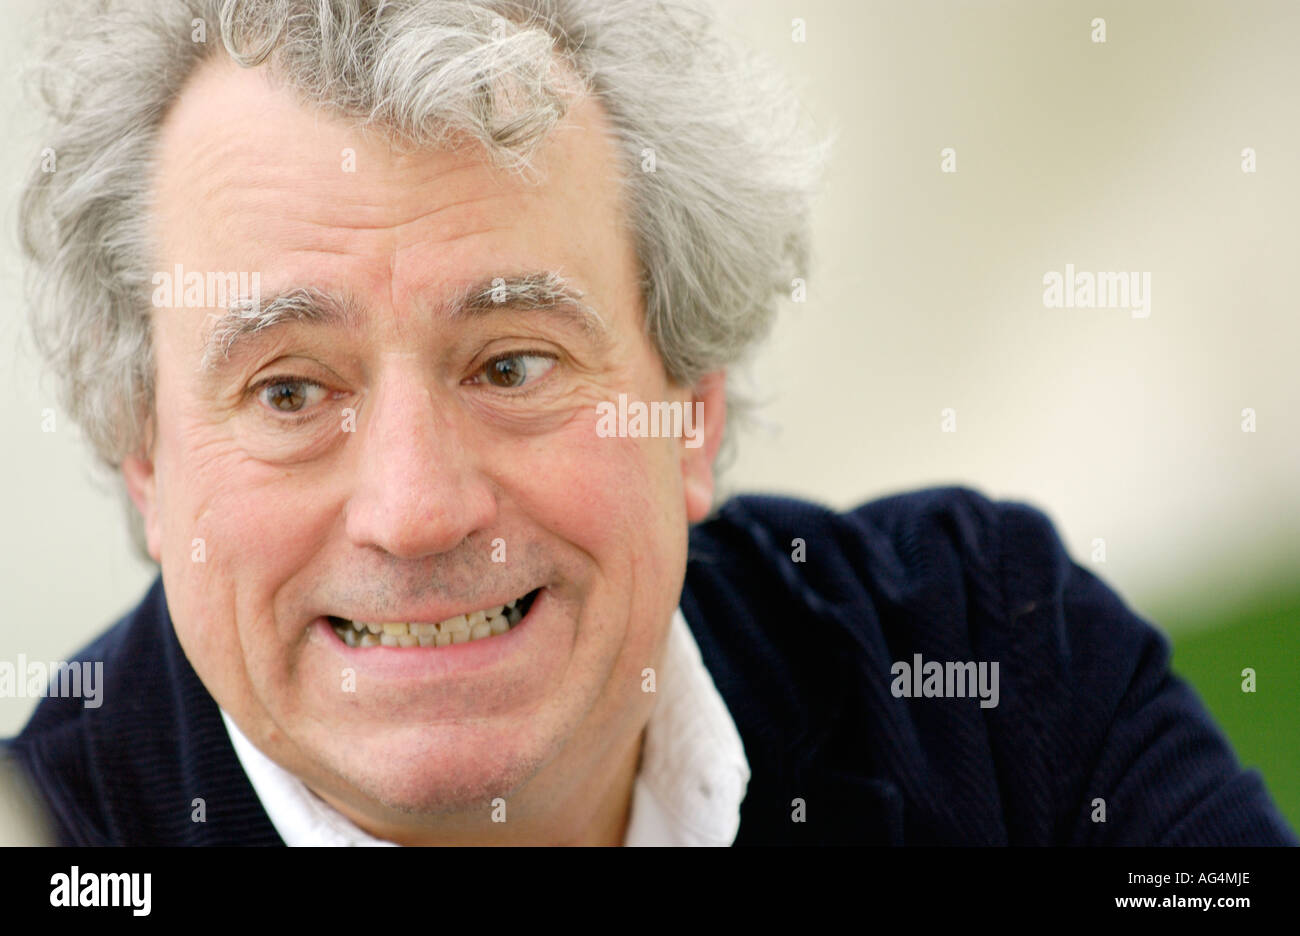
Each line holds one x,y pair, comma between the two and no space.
800,614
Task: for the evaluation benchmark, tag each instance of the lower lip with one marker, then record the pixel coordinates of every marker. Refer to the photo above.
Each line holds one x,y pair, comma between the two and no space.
436,662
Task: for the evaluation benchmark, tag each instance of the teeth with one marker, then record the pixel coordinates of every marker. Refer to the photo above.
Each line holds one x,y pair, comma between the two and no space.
454,625
460,629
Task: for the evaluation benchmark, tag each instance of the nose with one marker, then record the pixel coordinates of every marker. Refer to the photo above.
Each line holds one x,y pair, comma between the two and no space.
417,491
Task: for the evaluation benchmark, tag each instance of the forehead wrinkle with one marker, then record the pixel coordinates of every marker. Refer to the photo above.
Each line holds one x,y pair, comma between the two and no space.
389,192
386,225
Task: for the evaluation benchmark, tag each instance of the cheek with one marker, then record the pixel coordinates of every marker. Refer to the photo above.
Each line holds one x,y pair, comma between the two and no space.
619,500
233,531
240,508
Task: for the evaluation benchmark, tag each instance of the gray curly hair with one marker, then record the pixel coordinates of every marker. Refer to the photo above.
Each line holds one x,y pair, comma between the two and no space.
720,226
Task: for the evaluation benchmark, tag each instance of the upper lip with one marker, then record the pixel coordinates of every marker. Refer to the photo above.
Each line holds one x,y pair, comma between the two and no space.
431,614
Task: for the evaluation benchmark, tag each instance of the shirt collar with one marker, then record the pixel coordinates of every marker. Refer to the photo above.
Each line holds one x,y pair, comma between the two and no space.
691,781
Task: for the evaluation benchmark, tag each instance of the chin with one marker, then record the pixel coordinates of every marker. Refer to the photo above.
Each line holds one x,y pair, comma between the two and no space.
413,775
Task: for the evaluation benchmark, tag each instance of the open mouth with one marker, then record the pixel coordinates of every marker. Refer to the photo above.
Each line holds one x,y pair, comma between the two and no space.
462,628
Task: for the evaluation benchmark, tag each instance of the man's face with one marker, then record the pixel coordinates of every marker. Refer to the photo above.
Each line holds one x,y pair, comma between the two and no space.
410,464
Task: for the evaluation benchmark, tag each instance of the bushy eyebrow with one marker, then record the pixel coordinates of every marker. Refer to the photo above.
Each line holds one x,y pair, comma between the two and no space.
247,318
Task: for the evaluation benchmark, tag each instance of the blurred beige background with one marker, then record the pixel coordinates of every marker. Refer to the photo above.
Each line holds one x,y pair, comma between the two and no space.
926,293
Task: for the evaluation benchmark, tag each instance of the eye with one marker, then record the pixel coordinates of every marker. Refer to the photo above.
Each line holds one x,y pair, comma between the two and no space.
289,394
511,371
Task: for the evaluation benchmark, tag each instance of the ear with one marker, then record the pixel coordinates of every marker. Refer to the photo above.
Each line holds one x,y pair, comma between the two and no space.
700,450
142,486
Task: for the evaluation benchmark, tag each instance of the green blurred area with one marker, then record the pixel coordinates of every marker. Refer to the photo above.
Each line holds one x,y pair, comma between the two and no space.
1264,725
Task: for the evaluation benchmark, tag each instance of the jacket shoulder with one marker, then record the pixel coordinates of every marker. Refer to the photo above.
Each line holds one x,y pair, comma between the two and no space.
1084,704
58,748
924,548
126,771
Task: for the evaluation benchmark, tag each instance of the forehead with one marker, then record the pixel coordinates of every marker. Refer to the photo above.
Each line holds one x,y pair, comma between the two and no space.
248,178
